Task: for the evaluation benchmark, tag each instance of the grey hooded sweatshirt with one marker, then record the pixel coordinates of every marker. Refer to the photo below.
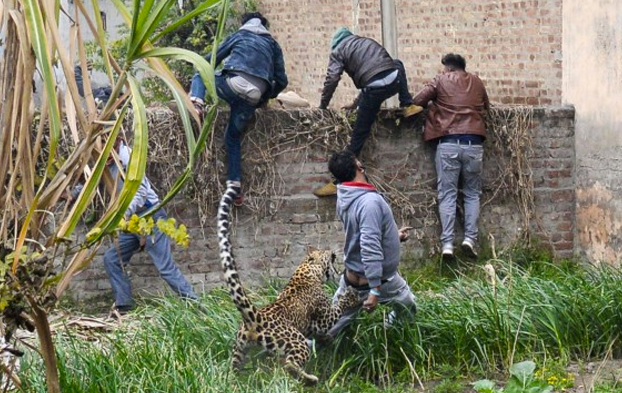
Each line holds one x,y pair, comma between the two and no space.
372,247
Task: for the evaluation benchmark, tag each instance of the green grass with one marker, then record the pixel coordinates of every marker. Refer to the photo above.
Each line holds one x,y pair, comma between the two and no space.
449,386
465,329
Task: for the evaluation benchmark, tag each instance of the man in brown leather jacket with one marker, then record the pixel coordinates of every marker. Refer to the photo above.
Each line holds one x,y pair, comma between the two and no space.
375,73
457,102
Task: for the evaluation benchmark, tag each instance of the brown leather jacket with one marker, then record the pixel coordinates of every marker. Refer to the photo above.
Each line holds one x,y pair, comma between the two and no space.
457,104
361,58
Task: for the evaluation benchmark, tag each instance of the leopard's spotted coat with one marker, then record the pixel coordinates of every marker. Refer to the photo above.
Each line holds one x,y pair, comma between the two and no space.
302,309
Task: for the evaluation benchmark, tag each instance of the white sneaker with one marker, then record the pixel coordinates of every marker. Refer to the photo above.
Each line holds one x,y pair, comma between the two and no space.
468,248
448,252
390,318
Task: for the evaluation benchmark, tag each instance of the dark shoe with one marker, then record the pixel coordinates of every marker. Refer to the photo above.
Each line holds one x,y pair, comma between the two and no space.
468,248
117,312
196,304
321,341
324,340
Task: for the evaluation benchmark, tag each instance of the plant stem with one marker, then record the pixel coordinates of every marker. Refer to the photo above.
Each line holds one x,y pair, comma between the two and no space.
47,346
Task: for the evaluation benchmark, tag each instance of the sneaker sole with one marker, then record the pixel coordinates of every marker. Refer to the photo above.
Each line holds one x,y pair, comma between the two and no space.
448,257
469,252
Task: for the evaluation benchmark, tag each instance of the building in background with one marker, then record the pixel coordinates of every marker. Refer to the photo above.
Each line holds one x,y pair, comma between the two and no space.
528,52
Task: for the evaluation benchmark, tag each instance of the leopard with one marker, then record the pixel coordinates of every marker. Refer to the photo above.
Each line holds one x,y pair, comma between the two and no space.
302,309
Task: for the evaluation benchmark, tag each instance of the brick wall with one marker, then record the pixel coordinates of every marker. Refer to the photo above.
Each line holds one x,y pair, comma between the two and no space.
554,176
513,45
273,243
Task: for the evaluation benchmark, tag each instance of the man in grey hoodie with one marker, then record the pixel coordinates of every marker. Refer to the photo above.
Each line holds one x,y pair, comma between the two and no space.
372,248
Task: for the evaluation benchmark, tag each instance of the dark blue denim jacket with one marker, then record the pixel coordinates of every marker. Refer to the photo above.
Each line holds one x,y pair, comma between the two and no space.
255,54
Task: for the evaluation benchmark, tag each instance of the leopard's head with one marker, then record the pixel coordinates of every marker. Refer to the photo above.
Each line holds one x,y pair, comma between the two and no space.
323,262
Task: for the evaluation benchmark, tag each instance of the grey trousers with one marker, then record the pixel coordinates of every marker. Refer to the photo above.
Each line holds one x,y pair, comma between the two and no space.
452,161
395,292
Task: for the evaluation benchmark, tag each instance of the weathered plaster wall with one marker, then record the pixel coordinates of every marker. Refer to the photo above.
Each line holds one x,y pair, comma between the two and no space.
592,82
513,45
273,244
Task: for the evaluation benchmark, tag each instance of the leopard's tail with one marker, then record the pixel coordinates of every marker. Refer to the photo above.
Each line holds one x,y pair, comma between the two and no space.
238,295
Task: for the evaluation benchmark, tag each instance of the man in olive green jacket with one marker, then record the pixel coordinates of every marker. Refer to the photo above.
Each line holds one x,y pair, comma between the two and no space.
376,74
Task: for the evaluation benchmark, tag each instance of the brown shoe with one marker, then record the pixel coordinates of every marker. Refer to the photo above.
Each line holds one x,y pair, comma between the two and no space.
411,110
328,189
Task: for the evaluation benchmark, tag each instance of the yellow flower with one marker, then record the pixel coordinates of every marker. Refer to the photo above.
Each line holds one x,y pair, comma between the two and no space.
93,233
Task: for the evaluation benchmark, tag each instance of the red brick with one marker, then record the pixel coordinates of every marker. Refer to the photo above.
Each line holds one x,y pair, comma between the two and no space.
563,246
559,174
563,196
525,38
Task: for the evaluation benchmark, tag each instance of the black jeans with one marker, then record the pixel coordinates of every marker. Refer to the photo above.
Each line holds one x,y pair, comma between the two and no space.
369,103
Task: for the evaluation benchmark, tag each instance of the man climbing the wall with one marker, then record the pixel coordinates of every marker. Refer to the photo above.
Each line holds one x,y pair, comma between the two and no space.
376,74
253,72
456,102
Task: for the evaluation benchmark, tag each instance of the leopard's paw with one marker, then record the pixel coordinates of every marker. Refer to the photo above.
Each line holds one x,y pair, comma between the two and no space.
350,298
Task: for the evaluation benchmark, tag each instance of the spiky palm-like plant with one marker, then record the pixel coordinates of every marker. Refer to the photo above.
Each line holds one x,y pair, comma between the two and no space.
39,252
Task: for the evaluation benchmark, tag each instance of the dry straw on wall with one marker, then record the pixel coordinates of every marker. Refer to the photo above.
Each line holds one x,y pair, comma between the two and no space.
278,135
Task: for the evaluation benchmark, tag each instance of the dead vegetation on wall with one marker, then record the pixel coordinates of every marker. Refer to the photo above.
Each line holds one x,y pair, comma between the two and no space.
275,133
307,133
510,149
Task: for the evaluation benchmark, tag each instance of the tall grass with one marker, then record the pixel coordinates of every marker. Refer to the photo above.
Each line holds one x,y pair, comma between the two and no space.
167,347
535,312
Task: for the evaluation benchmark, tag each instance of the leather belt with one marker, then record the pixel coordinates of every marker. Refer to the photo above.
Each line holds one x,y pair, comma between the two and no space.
461,141
464,143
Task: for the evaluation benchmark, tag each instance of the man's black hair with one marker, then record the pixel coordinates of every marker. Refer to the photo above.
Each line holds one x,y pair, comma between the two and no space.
250,15
343,166
454,61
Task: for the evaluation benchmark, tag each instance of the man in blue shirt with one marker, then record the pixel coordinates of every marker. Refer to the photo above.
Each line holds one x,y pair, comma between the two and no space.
157,245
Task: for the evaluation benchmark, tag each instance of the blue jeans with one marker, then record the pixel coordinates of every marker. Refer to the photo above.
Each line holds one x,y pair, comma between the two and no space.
158,247
452,161
240,116
369,103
